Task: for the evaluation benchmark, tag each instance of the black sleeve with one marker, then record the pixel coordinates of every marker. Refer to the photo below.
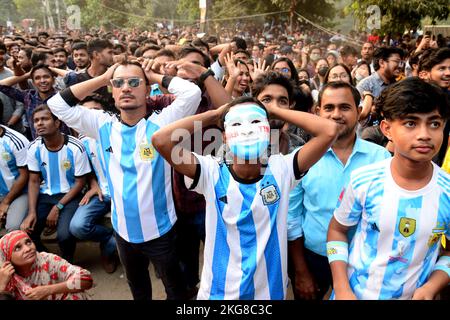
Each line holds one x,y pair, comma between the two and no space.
166,81
69,97
198,170
298,175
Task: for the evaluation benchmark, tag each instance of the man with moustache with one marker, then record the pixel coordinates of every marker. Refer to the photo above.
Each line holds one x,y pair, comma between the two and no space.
313,201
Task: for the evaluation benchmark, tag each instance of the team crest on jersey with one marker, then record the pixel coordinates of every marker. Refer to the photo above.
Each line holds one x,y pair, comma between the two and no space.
6,156
146,151
269,195
407,226
66,165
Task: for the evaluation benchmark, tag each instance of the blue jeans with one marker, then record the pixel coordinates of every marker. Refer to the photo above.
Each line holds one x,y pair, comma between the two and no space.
84,224
66,241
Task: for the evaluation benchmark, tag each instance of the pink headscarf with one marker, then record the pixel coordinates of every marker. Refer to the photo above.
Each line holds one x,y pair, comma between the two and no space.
7,243
46,269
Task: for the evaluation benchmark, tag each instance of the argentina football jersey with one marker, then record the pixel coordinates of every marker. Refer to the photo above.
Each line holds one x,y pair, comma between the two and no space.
139,179
58,168
399,231
93,151
245,255
13,155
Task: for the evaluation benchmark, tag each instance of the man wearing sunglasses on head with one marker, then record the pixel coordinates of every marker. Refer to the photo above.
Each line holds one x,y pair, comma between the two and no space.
143,213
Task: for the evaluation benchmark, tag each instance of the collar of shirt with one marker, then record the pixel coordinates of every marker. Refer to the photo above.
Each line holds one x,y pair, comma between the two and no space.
359,146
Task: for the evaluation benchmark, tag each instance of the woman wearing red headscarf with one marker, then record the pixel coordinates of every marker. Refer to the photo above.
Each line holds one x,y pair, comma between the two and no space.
31,275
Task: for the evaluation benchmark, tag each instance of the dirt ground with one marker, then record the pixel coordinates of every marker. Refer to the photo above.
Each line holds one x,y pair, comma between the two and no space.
112,286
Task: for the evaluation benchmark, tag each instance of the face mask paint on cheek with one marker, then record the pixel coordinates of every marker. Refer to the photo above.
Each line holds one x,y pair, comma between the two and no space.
249,139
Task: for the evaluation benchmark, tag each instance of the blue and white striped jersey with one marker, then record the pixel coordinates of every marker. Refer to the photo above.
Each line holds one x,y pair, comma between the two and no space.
139,179
245,255
397,242
13,155
58,168
93,150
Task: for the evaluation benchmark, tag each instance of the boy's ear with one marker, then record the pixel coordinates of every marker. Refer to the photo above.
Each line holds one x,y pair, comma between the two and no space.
385,127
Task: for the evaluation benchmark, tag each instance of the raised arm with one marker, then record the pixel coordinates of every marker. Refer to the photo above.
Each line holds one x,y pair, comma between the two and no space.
324,132
166,141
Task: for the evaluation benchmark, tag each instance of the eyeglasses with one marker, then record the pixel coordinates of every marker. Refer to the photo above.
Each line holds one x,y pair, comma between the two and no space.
132,82
400,63
339,76
283,70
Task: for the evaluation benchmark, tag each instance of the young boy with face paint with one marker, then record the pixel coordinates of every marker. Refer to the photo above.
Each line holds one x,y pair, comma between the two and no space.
245,255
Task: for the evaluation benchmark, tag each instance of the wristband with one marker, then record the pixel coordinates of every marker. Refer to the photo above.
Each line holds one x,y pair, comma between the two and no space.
443,264
59,205
337,251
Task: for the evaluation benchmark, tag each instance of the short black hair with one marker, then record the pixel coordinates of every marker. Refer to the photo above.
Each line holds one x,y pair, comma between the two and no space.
240,43
384,53
412,95
38,57
43,34
271,77
348,51
197,42
2,46
79,46
38,67
166,53
432,57
56,50
43,107
339,85
98,45
187,49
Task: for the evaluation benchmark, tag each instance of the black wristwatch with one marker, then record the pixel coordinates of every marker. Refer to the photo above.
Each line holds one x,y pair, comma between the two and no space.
205,75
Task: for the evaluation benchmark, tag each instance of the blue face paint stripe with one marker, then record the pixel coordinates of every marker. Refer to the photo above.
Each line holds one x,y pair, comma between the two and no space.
394,276
129,184
158,184
221,251
247,237
54,167
272,252
250,108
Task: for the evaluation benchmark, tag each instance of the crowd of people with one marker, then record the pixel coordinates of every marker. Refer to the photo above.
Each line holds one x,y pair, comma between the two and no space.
316,159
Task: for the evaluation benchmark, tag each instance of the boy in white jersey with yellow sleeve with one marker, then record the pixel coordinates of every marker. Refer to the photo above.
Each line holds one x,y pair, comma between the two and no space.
245,255
401,206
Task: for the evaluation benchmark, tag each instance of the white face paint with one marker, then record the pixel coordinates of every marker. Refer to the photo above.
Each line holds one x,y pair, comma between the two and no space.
247,131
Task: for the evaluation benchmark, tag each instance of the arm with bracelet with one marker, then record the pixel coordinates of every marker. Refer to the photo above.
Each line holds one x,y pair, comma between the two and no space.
345,216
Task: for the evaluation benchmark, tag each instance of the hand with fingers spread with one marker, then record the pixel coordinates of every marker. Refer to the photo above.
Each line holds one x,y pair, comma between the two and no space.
233,71
259,69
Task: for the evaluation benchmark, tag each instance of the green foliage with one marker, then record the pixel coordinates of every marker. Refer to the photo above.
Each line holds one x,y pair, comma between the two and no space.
399,15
